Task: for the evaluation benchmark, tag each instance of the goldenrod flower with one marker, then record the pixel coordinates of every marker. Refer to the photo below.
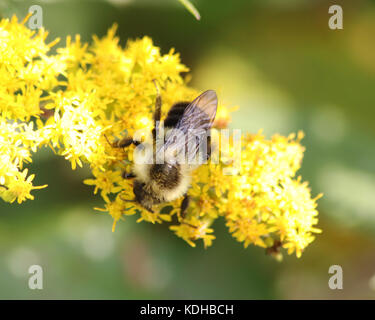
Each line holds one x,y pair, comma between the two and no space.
103,91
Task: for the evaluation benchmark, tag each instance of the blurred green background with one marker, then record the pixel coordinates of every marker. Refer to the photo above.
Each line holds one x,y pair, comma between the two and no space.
277,60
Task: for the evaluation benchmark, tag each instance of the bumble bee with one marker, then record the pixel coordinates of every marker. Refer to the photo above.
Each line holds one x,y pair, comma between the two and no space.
176,151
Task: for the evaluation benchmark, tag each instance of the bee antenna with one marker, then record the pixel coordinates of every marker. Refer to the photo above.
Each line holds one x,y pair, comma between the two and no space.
158,102
156,86
107,140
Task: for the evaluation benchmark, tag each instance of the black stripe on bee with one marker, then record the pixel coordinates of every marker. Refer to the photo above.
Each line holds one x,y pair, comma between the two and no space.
175,114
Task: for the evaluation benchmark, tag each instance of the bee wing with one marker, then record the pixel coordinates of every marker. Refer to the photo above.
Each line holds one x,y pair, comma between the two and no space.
200,113
192,129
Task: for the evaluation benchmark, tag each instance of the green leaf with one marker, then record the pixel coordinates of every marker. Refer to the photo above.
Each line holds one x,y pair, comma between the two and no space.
189,6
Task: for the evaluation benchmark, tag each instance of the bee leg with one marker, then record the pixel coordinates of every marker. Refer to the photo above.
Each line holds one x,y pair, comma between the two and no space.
126,142
275,249
126,175
149,209
184,205
158,102
209,147
123,143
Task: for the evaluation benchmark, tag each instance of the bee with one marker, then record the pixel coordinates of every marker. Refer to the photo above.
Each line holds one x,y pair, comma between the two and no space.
186,133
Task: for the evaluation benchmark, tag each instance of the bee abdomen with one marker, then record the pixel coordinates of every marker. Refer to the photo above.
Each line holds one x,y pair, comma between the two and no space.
175,114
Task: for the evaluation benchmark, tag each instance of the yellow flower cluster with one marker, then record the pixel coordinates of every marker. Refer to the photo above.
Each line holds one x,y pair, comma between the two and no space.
75,100
26,73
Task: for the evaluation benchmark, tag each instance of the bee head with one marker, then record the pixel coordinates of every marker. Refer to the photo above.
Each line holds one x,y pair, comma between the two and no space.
167,175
